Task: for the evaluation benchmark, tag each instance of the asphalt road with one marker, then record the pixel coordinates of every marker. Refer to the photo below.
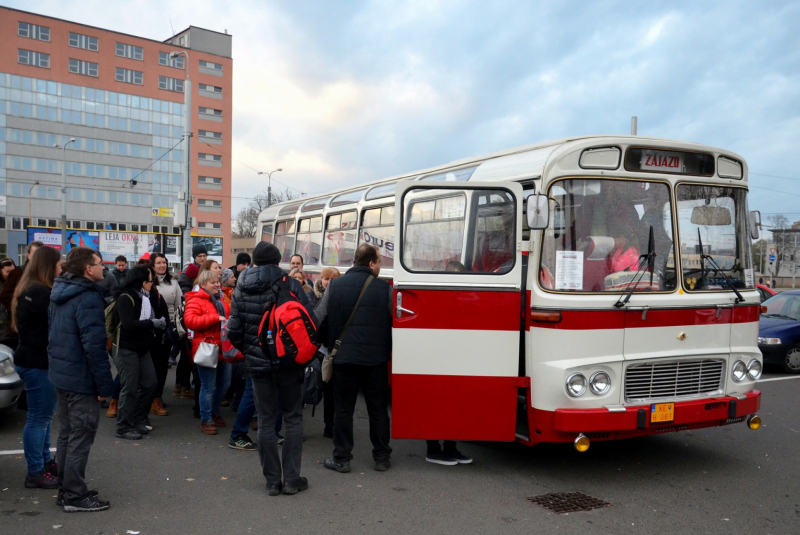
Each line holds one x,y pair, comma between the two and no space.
178,481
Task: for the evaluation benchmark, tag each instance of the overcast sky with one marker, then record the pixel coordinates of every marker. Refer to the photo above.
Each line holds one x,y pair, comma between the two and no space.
339,93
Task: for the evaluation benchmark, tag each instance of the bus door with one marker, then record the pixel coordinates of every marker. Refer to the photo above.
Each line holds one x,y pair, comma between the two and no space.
456,310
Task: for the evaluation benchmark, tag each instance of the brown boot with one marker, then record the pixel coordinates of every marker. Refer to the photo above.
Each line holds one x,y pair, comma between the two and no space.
208,428
218,421
177,391
112,409
157,408
187,393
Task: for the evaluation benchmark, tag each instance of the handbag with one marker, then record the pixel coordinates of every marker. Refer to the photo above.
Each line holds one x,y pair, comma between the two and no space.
207,355
327,360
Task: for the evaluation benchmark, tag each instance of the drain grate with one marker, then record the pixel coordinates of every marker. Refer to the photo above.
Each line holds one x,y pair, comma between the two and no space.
568,502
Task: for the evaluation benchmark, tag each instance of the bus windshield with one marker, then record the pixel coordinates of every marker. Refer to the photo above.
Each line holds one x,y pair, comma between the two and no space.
598,232
712,224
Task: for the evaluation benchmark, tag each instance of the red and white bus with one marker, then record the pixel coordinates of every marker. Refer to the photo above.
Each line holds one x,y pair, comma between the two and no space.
591,288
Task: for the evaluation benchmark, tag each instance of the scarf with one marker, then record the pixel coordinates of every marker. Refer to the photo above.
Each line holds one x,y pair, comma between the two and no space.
217,303
147,310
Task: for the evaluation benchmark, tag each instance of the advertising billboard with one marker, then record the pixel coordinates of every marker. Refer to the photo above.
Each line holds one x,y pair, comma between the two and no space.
213,245
51,237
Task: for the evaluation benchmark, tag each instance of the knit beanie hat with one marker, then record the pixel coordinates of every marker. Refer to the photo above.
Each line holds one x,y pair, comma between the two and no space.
266,254
199,249
191,271
226,273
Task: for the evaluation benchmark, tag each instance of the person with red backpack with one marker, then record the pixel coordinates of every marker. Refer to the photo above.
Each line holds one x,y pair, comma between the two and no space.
273,379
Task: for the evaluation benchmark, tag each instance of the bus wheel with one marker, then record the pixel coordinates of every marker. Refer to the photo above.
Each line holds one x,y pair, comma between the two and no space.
791,363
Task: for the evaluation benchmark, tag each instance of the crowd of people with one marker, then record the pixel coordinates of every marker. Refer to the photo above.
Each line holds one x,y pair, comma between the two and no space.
72,323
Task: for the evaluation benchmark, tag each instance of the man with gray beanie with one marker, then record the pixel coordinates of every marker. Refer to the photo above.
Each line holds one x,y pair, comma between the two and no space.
269,384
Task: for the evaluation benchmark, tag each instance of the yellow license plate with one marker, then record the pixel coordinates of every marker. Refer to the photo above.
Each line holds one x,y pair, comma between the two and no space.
661,413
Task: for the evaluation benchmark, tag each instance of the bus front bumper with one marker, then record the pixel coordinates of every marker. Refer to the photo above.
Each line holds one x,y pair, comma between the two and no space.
562,425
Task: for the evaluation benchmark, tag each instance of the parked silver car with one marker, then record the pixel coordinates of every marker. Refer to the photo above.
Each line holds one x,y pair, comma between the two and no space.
11,385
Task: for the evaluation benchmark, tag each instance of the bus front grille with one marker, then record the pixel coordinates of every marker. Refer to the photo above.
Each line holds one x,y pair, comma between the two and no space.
674,379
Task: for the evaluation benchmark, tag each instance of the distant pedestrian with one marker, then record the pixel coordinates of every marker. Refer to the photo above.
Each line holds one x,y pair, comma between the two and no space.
243,262
270,386
120,272
80,371
328,403
361,361
29,318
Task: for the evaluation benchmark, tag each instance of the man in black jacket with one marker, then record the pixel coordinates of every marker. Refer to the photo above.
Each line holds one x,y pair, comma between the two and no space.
269,384
362,357
80,371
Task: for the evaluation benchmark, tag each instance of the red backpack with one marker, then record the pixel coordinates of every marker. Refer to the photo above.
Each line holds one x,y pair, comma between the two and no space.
286,333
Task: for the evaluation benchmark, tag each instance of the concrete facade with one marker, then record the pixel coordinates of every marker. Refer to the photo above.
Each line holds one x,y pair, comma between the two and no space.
121,97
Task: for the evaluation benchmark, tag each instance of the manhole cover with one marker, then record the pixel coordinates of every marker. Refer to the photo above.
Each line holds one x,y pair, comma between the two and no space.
568,502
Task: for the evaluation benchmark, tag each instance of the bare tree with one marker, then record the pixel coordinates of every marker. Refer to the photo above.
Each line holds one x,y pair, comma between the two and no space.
780,241
245,222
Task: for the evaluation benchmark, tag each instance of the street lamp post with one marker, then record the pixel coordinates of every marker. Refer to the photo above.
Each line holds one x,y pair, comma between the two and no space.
269,185
30,210
64,194
187,117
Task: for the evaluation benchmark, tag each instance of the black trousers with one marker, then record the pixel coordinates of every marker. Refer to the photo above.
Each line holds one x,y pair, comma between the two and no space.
183,371
159,352
78,417
328,401
373,382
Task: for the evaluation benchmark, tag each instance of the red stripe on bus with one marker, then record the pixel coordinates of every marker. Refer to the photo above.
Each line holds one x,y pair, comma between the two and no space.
449,407
635,319
459,310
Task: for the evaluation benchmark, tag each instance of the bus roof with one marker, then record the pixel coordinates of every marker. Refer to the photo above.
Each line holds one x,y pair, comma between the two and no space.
513,164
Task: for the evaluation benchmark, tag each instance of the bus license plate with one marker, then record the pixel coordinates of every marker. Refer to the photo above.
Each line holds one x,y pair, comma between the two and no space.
661,413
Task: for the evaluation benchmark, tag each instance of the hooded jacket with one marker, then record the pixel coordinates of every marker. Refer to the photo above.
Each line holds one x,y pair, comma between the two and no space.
202,317
248,307
77,337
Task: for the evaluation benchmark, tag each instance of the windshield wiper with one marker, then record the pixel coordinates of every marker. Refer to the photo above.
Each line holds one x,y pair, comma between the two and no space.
704,256
646,260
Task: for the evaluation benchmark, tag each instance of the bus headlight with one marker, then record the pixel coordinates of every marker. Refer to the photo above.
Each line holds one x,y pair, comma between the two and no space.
576,385
599,383
754,369
768,341
739,371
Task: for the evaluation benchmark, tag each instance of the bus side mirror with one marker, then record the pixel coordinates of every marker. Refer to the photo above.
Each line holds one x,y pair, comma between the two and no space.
538,211
755,223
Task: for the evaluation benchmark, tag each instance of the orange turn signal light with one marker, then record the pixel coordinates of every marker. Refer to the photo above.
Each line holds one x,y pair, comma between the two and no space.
547,316
763,310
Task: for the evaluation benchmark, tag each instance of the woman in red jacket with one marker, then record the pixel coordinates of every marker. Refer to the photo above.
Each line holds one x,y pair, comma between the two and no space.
205,312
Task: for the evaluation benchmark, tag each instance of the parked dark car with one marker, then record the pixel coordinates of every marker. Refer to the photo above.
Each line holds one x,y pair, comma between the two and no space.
11,385
765,292
779,331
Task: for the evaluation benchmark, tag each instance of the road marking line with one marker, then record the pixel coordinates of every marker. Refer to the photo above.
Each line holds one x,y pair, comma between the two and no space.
19,452
779,379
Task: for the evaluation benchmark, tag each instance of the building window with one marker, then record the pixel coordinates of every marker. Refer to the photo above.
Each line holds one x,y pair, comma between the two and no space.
143,228
209,180
36,59
209,134
209,202
90,225
210,65
178,61
216,226
210,111
130,51
209,157
86,68
32,31
129,77
170,84
123,226
87,42
209,88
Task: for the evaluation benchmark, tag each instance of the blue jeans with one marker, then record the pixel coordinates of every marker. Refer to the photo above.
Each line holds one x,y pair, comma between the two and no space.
42,401
247,408
214,383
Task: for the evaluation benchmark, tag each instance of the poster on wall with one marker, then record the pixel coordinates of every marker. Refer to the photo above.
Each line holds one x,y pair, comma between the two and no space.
212,244
51,237
171,249
131,245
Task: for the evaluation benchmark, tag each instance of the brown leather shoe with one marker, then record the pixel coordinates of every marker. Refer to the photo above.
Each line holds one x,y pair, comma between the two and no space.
112,409
218,421
187,393
208,428
157,408
177,391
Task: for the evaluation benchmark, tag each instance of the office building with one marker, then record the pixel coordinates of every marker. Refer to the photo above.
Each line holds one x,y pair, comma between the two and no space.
121,97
